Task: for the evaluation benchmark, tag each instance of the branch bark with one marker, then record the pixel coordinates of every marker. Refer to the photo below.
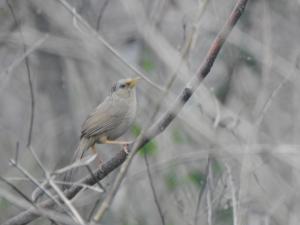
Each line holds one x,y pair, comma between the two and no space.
159,126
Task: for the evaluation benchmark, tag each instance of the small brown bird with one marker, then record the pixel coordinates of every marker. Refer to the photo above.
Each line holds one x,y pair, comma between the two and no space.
110,119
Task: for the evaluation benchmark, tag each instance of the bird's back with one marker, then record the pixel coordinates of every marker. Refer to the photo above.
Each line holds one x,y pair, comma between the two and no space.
111,118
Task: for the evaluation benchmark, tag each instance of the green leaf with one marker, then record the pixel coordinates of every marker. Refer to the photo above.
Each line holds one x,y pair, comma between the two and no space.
250,61
217,167
136,129
3,203
224,216
171,180
147,61
178,136
197,178
148,149
148,65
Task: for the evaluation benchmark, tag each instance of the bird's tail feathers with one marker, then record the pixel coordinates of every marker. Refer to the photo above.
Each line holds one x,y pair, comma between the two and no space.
83,145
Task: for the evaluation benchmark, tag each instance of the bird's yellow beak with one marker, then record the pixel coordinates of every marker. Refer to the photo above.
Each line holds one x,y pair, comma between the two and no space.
132,82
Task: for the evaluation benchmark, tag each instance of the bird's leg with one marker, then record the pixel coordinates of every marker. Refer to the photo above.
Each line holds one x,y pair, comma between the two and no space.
98,159
118,142
125,148
125,144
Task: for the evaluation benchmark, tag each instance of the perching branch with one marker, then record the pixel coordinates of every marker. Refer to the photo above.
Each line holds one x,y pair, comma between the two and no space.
159,126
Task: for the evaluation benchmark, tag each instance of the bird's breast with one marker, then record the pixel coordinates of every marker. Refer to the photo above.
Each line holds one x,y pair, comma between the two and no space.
129,111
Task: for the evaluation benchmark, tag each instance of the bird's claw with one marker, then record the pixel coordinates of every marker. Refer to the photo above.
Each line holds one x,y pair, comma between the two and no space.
126,148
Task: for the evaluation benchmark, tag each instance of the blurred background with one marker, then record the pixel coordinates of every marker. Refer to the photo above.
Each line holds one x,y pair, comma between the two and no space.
232,154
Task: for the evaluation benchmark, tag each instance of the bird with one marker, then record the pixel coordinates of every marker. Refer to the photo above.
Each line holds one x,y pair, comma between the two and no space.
107,122
110,119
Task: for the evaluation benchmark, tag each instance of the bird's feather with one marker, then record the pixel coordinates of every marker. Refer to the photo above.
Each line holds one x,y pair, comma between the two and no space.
103,119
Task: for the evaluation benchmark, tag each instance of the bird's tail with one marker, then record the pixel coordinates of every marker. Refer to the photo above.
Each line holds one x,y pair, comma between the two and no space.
82,147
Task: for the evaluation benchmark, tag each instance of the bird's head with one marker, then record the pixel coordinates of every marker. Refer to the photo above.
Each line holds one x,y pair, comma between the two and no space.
124,87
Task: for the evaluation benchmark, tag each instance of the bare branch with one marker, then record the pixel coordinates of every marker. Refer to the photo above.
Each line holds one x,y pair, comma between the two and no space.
160,212
203,187
106,44
34,181
32,100
52,215
235,203
4,74
101,12
66,201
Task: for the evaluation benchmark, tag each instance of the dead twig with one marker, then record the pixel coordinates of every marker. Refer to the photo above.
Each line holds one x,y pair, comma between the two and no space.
10,6
106,44
156,201
203,188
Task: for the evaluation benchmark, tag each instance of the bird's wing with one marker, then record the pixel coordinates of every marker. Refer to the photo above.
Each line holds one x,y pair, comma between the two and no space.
104,118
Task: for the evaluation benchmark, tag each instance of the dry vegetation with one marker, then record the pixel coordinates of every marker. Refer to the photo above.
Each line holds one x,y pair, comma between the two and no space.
231,156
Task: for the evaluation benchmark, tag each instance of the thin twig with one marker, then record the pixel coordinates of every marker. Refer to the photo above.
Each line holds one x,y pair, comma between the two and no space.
156,201
83,186
56,189
38,192
4,74
106,44
270,99
17,152
34,181
92,212
52,215
203,188
24,196
233,195
92,175
66,201
101,12
32,100
209,195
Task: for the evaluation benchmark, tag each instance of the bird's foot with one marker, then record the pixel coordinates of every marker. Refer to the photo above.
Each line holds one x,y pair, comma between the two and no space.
126,148
99,161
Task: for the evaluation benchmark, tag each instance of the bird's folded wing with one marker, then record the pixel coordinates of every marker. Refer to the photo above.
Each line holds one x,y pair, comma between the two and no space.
103,119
